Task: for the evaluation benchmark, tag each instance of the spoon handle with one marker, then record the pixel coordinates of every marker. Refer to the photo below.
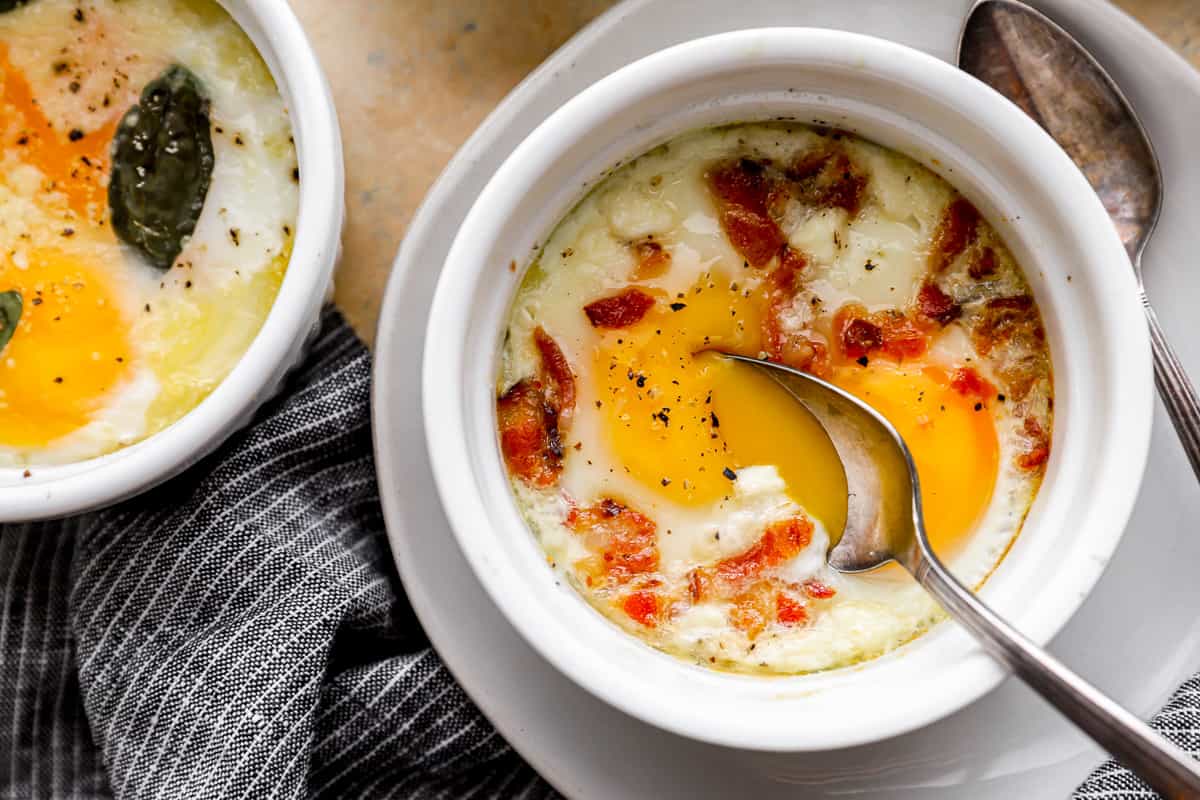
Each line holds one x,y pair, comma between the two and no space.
1177,390
1170,770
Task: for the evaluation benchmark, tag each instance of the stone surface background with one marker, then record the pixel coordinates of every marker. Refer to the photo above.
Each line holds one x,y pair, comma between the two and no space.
414,78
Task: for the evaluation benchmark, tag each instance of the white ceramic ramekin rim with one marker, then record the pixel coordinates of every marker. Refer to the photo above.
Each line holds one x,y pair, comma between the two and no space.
1077,268
50,492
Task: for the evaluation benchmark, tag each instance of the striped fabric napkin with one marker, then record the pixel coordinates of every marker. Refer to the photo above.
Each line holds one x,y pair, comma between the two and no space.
1178,721
239,631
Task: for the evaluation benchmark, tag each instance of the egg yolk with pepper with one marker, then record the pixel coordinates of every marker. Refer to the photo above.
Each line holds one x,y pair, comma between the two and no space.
683,422
70,348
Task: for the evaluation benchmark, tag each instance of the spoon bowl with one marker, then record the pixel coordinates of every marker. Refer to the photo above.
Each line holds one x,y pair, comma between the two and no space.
1035,63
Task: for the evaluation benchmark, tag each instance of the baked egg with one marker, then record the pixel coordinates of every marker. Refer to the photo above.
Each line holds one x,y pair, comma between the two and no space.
692,501
148,200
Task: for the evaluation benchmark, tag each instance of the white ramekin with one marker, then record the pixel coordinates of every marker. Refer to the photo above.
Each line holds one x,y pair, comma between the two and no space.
1025,185
57,491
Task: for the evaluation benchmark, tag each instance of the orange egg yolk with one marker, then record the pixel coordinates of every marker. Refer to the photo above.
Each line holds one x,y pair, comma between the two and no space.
953,442
683,425
72,162
68,351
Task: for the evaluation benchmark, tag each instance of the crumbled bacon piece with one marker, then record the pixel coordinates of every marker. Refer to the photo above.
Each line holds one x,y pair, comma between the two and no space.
626,539
859,337
937,305
653,260
860,334
818,590
786,277
529,436
620,310
955,232
800,349
1005,319
796,350
826,179
1039,448
780,542
983,265
789,611
1019,302
557,376
902,337
534,413
750,611
743,189
643,607
968,382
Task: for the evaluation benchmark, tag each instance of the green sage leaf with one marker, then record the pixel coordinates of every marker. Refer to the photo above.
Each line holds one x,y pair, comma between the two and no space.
9,5
10,315
162,166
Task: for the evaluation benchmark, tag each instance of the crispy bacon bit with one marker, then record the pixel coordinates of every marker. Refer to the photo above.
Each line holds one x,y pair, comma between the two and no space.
956,231
750,610
859,337
625,538
697,584
937,305
643,607
860,334
534,413
652,259
828,180
780,542
786,277
968,382
1020,302
743,189
557,376
1039,449
983,265
789,611
620,310
798,349
902,338
818,590
856,336
529,436
1005,319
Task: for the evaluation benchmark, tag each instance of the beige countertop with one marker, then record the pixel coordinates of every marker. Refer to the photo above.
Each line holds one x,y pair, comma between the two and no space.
432,80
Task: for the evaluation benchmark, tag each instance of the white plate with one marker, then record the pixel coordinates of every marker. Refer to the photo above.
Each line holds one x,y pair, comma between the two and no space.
1008,744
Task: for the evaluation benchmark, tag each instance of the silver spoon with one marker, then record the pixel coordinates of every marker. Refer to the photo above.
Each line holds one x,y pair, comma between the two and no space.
1030,60
884,522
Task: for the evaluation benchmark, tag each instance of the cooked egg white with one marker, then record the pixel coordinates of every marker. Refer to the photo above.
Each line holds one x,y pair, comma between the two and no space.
110,350
714,453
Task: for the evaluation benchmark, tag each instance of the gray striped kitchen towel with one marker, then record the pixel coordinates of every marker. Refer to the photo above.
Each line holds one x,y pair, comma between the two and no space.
239,632
1179,721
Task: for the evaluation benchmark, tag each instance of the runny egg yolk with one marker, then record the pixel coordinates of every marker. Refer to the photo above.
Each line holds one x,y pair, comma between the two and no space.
68,351
72,162
952,439
684,424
